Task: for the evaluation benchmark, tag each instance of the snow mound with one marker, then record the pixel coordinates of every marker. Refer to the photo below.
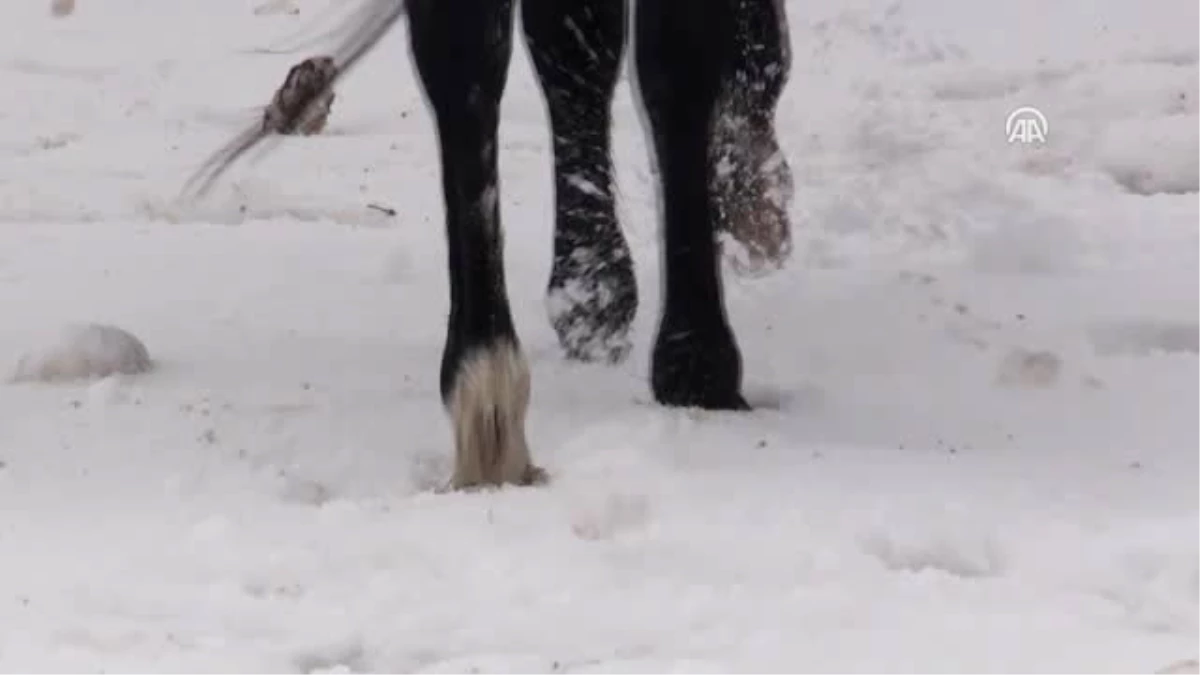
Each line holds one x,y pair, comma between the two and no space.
499,662
1158,157
1185,666
1144,337
948,542
84,351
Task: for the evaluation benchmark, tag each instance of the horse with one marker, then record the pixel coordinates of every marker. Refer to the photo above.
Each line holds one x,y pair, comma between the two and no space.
708,75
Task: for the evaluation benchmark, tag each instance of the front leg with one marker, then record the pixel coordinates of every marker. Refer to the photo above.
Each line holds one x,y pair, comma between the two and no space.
576,47
461,49
684,49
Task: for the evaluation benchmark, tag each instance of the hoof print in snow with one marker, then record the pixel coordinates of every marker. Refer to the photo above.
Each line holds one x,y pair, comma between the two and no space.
302,103
1184,666
85,351
487,664
273,7
611,516
304,491
346,656
337,669
61,8
1029,369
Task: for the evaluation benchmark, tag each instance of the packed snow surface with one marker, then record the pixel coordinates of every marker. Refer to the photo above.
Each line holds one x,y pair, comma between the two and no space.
975,444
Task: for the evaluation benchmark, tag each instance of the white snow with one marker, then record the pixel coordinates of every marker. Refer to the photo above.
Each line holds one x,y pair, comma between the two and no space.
976,442
84,351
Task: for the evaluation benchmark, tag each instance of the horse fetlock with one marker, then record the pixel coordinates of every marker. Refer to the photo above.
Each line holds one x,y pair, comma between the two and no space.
487,407
697,368
591,302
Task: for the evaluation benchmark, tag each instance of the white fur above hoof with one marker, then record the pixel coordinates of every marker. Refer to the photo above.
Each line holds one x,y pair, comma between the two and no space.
84,351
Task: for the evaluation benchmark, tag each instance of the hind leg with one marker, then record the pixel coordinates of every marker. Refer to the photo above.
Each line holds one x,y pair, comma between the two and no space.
461,49
752,180
576,47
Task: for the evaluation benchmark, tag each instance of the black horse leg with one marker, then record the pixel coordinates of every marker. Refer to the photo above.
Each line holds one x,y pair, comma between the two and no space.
684,52
577,47
752,179
461,49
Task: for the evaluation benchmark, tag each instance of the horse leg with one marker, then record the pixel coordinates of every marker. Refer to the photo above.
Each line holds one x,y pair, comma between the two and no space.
684,49
752,179
461,49
576,46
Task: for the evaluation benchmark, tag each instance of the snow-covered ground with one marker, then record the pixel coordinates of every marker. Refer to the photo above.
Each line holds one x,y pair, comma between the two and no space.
976,446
